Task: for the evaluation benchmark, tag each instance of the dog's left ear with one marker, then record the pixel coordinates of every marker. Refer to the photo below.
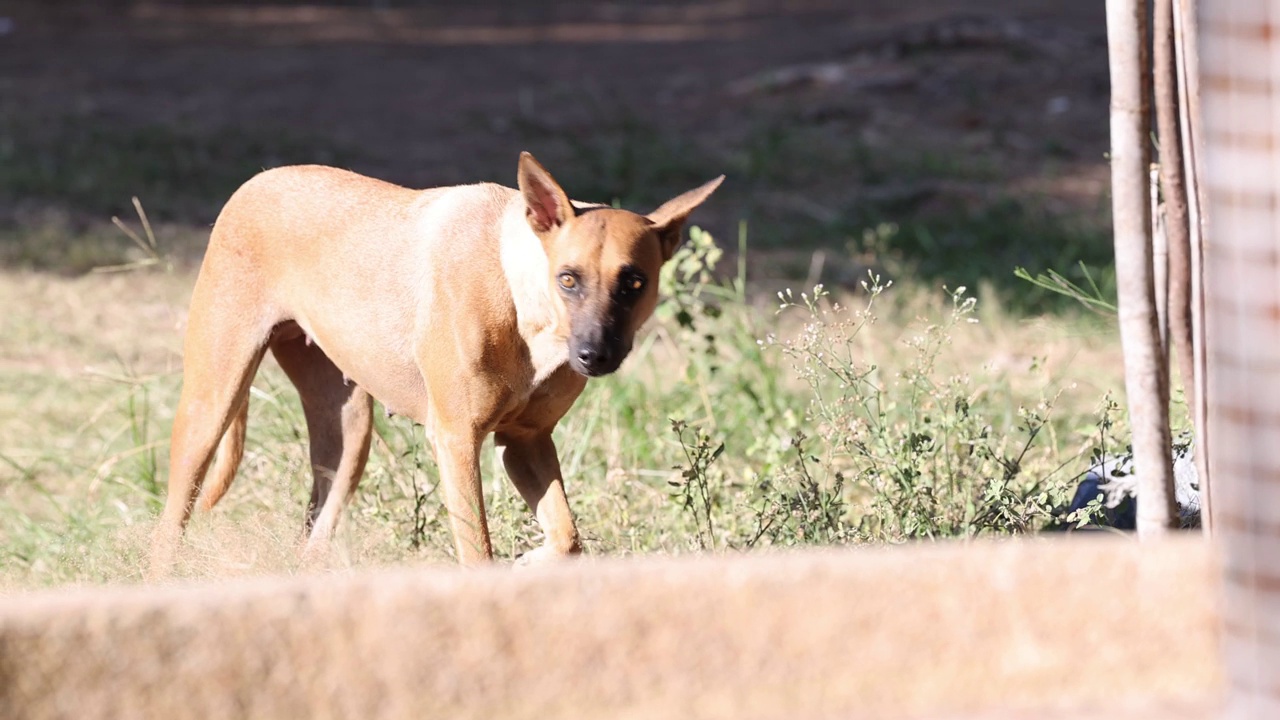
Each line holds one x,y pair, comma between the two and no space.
547,207
668,220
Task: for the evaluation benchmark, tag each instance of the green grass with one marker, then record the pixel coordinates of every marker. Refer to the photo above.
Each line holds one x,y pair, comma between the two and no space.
83,455
983,245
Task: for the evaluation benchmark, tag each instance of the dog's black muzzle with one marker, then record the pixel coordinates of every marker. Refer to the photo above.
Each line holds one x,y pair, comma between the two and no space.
596,357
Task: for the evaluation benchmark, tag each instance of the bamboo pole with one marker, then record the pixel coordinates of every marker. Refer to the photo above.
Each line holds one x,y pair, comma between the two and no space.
1174,191
1187,64
1159,260
1146,368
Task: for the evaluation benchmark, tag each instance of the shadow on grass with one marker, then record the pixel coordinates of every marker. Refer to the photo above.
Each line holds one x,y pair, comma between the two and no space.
983,244
93,166
801,187
62,180
804,187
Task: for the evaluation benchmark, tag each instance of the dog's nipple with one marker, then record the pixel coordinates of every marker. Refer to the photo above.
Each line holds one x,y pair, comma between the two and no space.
308,339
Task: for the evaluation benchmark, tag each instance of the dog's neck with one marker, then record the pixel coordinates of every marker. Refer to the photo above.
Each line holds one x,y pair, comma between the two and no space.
540,315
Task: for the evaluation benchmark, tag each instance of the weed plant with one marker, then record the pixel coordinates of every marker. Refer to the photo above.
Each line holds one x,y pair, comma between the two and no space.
873,454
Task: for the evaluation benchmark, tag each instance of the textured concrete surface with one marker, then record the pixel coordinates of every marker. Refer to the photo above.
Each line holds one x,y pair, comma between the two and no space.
1064,628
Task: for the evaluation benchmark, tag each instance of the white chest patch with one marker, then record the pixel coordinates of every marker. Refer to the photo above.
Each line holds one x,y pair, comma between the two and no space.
548,352
538,316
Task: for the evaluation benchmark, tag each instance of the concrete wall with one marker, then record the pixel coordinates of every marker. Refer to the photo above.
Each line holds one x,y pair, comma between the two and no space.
1017,629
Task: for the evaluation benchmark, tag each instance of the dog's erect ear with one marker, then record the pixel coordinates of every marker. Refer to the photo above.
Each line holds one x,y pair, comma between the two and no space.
668,220
546,205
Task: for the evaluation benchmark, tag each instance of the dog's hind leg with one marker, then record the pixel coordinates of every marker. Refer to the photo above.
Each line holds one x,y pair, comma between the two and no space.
339,418
221,354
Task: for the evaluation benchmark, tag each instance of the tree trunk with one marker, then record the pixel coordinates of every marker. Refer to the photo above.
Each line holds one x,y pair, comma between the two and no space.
1146,368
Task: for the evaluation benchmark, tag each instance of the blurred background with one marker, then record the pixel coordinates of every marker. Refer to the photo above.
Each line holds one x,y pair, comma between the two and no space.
947,141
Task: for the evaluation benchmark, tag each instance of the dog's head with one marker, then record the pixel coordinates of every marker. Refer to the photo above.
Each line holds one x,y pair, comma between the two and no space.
604,263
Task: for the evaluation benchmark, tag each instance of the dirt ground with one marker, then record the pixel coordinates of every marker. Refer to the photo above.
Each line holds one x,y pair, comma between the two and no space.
827,117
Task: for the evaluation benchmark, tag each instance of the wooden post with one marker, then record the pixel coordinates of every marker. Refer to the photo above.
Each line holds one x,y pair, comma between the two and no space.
1160,261
1175,197
1146,367
1188,73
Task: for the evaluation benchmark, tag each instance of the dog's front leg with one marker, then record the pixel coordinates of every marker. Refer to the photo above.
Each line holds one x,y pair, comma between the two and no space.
458,457
534,469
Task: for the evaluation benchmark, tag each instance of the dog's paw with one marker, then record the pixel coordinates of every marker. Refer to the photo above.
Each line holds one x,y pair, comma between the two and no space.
543,555
316,555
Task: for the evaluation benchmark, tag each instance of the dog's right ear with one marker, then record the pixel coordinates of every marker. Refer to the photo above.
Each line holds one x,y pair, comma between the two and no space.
546,205
668,220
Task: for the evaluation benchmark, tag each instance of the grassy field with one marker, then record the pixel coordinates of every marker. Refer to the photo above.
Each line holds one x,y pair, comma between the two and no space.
914,412
868,412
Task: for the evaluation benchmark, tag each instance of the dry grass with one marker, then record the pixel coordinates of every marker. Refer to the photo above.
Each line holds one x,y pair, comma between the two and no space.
92,368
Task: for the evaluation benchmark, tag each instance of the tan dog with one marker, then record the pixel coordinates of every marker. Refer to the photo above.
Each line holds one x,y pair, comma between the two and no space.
473,309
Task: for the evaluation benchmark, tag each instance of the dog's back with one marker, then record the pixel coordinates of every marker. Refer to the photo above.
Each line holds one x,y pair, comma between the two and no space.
356,262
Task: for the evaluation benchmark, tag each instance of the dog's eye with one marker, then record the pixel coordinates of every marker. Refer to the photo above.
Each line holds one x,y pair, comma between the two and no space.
631,284
568,281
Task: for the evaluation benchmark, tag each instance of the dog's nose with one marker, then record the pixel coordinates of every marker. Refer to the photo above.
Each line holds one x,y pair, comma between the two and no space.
594,358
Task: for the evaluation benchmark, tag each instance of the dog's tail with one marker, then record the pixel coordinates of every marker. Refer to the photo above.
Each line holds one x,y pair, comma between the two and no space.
230,450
